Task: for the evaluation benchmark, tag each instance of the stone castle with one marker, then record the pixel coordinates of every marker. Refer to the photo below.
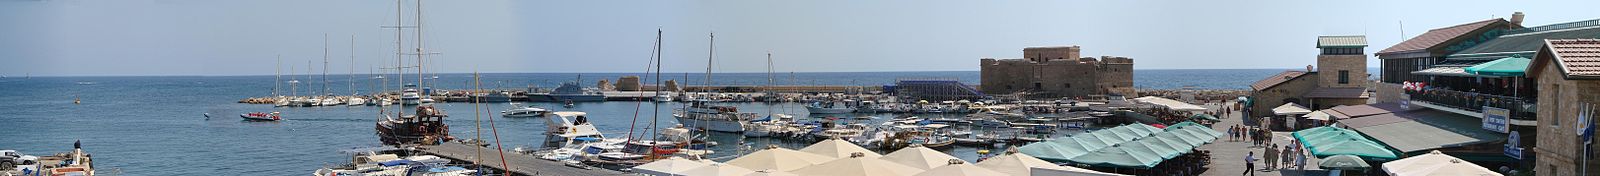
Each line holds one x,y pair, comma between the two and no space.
1058,72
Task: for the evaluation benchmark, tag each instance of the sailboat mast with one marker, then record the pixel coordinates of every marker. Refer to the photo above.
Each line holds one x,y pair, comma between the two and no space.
419,43
353,65
277,79
325,64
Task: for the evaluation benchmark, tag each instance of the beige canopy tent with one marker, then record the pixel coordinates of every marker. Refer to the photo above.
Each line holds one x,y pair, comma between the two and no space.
837,148
1018,164
770,173
1435,163
718,169
956,167
669,166
778,159
919,157
1290,109
1317,115
859,165
1170,104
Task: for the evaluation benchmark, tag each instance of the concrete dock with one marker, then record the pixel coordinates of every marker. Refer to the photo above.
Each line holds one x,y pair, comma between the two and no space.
520,164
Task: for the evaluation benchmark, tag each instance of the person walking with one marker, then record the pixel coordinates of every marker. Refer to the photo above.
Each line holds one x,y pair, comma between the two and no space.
1300,160
1250,164
1288,157
1271,153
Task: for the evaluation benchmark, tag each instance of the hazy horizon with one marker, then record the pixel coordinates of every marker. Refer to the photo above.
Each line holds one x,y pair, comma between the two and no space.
221,38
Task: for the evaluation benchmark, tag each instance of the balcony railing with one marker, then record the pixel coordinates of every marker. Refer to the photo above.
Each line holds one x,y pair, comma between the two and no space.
1521,108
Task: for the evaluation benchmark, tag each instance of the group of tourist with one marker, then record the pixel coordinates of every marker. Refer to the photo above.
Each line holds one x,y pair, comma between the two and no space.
1256,136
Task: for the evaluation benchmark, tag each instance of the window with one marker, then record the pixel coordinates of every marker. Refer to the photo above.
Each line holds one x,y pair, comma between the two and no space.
1038,86
1555,89
1066,85
1344,76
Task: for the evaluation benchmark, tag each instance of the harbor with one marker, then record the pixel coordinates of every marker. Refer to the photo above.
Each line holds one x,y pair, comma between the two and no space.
806,88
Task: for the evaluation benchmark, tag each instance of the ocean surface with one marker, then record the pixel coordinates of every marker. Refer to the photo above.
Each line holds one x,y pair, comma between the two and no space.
155,126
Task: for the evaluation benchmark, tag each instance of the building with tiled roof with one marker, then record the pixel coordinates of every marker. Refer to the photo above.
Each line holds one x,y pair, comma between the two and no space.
1338,79
1429,49
1568,76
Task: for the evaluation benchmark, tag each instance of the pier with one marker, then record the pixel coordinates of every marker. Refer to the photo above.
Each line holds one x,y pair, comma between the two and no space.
520,164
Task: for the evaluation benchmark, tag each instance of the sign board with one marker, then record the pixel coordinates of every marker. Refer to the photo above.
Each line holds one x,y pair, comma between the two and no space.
1495,119
1513,146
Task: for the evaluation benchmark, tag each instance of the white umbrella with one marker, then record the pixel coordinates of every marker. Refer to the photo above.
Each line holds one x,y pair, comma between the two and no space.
919,157
718,169
779,159
1435,163
1018,164
1317,115
956,167
1290,109
837,148
669,166
859,165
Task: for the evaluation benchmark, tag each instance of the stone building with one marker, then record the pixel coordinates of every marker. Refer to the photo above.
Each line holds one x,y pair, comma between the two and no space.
1338,79
1057,72
1568,76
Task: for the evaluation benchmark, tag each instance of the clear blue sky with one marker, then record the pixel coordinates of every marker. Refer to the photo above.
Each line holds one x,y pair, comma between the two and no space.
202,37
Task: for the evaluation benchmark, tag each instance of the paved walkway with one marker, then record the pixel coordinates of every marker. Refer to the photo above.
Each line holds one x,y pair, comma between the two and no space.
1227,157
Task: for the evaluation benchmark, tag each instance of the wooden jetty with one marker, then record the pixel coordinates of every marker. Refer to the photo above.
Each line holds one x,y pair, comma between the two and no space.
521,164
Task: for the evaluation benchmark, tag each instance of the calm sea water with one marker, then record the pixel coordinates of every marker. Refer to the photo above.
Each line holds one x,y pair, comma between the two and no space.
154,125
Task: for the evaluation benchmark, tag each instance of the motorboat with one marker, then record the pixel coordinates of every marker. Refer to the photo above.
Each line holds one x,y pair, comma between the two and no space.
330,101
529,111
827,108
702,115
410,96
355,101
261,116
572,92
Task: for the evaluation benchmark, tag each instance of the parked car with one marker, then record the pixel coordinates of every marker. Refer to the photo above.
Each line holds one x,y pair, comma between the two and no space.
9,159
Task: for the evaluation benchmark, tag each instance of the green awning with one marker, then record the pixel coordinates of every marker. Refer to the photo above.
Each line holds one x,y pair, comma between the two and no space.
1156,146
1174,142
1119,157
1344,162
1051,151
1204,117
1184,123
1203,130
1185,137
1510,66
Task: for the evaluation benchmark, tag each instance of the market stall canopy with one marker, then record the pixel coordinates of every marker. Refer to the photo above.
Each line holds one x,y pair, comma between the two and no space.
1203,116
1343,162
919,157
838,148
778,159
1170,104
1290,109
770,173
1506,67
1361,148
669,166
1059,149
1018,164
1435,163
957,167
857,164
1119,156
718,169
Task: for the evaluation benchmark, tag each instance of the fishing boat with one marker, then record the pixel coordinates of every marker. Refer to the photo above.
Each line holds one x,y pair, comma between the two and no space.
425,127
703,116
528,111
261,116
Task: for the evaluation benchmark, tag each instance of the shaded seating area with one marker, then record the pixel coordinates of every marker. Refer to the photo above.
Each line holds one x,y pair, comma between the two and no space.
1434,163
818,159
1136,149
1328,141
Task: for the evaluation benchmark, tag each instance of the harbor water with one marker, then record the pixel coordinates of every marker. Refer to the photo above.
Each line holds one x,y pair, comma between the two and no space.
157,125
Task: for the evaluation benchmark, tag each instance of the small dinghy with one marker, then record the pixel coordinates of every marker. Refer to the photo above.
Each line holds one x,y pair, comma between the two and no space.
261,116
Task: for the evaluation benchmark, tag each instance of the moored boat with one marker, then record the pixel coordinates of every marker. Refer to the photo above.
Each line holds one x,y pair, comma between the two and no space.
261,116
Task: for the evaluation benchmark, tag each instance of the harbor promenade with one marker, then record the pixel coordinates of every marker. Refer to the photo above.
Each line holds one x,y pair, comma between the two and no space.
1227,157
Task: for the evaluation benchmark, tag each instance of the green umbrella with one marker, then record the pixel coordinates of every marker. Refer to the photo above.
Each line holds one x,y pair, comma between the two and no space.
1183,124
1156,146
1051,151
1129,131
1111,137
1207,137
1175,143
1204,130
1089,139
1362,148
1191,140
1510,66
1344,162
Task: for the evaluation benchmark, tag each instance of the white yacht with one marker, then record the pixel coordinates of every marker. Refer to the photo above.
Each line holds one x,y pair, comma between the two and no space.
700,115
355,101
409,96
765,127
529,111
827,108
331,101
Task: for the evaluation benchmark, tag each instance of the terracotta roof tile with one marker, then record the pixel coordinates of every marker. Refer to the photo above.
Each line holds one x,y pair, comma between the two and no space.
1576,57
1337,93
1280,78
1437,36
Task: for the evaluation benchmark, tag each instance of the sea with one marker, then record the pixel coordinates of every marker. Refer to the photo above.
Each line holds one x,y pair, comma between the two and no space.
158,125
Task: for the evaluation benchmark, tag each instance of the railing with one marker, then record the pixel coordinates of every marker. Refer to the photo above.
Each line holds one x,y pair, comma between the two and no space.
1521,108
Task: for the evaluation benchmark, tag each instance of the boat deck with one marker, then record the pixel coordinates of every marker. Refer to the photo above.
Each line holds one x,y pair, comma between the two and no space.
520,164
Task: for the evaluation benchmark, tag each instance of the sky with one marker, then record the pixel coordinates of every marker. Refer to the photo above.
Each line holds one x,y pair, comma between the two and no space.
246,37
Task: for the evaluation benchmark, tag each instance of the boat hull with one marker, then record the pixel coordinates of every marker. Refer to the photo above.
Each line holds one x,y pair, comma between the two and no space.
821,110
712,125
578,98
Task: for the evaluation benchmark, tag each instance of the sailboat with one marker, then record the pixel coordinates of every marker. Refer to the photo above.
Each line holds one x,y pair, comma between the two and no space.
424,127
355,97
704,116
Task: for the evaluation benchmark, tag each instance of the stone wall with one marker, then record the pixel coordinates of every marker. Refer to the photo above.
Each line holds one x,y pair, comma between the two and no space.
1273,97
1330,65
1389,92
1041,54
1057,78
1559,102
